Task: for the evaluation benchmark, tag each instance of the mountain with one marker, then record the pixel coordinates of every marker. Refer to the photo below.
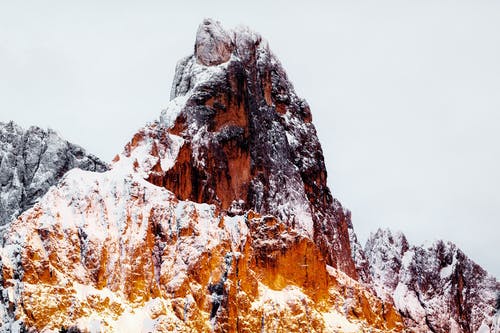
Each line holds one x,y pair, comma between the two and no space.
436,288
31,161
217,217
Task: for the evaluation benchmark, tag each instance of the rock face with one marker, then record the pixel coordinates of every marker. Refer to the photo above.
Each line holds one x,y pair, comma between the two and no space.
213,44
359,257
249,142
436,288
30,162
129,256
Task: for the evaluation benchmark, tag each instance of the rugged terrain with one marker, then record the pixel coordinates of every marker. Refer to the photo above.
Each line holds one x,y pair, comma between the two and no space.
31,161
217,217
436,288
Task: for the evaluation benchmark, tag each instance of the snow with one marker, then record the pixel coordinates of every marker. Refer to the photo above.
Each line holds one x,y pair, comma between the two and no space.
201,73
483,329
446,271
336,322
171,153
407,258
138,320
172,111
113,212
407,302
31,161
83,291
141,155
496,322
238,231
278,297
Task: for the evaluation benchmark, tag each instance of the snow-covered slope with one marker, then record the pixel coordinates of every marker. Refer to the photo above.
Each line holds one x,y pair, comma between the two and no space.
436,287
31,161
112,252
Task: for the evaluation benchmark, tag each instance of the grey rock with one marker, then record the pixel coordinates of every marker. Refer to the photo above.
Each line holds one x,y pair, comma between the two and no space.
358,256
436,288
31,161
213,44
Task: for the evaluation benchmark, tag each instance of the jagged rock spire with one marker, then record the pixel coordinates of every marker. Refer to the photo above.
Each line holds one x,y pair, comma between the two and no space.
248,140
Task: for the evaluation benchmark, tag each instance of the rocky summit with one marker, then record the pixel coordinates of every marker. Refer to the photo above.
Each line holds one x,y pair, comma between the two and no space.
217,217
31,161
436,288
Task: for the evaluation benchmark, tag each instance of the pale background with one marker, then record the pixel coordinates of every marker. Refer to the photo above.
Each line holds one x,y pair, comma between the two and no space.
405,94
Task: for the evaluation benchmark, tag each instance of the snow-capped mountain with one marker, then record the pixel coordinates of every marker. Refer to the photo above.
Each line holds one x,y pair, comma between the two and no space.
217,217
436,288
31,161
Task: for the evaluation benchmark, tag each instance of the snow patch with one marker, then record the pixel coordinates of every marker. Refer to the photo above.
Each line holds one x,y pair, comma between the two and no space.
336,322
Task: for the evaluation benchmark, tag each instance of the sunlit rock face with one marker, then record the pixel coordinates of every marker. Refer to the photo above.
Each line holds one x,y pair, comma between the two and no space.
115,252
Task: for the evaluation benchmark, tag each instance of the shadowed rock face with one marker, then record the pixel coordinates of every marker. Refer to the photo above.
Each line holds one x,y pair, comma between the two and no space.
30,162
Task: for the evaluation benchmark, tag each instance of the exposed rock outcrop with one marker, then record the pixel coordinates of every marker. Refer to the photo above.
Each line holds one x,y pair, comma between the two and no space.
31,161
248,140
129,255
436,288
213,44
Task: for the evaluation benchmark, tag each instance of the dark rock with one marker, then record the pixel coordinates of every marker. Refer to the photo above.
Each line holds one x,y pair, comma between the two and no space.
248,137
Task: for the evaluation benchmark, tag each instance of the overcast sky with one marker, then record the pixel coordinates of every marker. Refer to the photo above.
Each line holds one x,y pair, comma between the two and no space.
405,94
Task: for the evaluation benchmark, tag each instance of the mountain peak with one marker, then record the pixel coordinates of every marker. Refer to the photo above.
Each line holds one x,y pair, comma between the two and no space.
395,239
213,44
434,286
217,218
238,135
32,160
207,221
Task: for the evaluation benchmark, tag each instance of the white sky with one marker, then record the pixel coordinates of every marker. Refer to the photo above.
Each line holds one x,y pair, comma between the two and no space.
405,94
